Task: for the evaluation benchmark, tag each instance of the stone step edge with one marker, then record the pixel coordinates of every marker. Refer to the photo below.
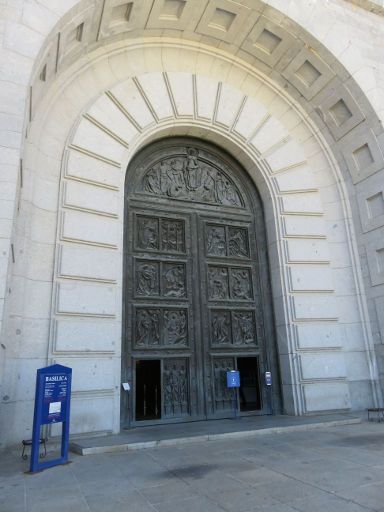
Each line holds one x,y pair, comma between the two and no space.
77,448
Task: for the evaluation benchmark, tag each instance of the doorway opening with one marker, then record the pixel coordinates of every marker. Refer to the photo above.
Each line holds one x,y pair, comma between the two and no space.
148,386
249,392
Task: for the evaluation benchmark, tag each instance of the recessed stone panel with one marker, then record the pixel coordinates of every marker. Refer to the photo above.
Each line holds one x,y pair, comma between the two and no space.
362,153
82,335
339,110
78,298
131,98
250,117
87,263
175,14
267,41
226,20
304,227
229,104
155,90
182,91
88,228
296,179
326,396
370,198
206,91
121,16
306,278
305,203
310,307
90,374
308,73
83,196
84,167
320,365
315,335
307,251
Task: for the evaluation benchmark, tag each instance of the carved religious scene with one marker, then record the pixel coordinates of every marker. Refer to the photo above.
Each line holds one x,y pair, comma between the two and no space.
147,328
175,327
174,280
147,233
223,394
188,177
215,240
220,327
147,278
244,328
172,235
238,242
175,387
217,283
240,284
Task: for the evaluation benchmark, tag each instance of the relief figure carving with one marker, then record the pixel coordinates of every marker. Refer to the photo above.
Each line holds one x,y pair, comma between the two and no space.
238,242
174,280
186,177
147,279
172,235
147,327
240,284
147,233
221,327
215,241
175,390
244,328
175,327
218,282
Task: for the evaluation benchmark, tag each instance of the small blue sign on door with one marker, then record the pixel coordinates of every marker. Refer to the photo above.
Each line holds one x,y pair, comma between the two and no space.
233,379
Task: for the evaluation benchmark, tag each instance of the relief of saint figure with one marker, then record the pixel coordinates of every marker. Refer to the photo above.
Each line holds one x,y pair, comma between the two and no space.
220,327
147,279
174,282
147,327
240,284
175,325
218,283
215,241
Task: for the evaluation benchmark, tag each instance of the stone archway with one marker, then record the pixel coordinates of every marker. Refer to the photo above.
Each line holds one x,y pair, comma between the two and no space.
196,294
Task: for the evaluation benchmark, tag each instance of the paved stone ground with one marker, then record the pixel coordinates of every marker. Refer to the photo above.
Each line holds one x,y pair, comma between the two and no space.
337,469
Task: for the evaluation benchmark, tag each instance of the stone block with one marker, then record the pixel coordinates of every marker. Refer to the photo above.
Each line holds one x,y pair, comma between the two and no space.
181,85
268,134
77,298
87,263
307,251
81,335
175,14
89,228
120,16
91,198
90,137
129,95
326,396
89,169
375,256
90,374
304,226
154,87
250,117
206,90
229,105
304,203
315,307
370,198
315,335
322,365
296,179
290,154
305,278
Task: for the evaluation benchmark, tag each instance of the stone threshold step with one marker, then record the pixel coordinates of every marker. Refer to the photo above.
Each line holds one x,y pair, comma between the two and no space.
153,439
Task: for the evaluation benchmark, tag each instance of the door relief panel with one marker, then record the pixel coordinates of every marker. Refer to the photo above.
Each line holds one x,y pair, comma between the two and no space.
175,387
161,328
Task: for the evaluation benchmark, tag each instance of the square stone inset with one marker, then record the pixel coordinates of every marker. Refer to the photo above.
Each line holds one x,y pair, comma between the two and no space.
308,73
362,153
175,14
375,256
120,16
268,42
339,109
226,20
375,205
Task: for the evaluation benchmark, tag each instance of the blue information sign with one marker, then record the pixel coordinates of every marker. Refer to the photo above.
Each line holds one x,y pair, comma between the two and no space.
233,379
268,378
52,405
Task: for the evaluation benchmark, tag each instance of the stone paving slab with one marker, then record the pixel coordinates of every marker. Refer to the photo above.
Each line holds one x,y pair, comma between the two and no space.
290,471
200,431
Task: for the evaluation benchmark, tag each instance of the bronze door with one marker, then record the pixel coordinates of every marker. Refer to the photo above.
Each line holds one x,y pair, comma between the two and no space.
194,305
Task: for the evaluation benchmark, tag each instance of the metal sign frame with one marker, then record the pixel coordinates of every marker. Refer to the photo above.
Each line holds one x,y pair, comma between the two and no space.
52,405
